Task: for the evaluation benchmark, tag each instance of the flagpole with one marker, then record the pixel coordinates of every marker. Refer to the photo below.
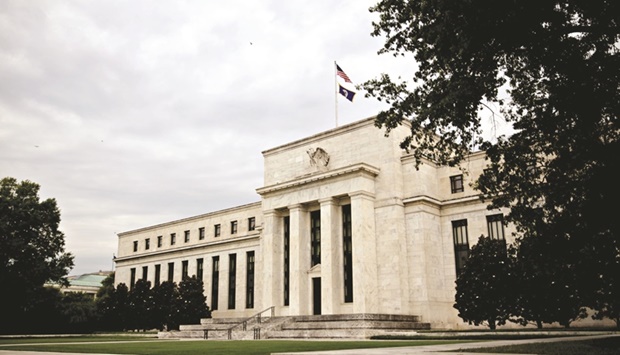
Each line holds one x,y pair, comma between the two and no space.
336,91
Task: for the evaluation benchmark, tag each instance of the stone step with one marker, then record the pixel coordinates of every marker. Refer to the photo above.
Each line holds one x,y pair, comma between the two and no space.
201,327
220,320
358,317
353,326
212,334
322,334
356,325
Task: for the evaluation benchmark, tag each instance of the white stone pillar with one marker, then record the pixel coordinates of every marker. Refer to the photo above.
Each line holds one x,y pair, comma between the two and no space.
299,261
270,269
365,285
223,284
330,288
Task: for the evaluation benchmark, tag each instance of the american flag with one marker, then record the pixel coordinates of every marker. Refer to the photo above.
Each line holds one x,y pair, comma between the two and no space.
341,74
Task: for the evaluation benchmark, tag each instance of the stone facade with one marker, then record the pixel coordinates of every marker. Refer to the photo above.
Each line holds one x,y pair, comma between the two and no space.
346,224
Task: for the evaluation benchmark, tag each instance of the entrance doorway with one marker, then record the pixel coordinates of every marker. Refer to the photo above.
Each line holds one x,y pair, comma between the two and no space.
316,295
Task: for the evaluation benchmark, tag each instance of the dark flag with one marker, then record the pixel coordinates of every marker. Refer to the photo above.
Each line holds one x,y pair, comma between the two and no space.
346,92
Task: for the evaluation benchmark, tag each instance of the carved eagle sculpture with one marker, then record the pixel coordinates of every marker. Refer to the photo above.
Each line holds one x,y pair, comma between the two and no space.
318,157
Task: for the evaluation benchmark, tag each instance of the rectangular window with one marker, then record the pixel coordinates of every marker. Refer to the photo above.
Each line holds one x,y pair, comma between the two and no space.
287,252
186,239
232,280
145,273
217,230
315,237
199,268
347,249
147,243
159,241
495,225
135,246
251,223
249,283
233,227
461,243
215,282
184,269
157,274
456,183
173,238
170,272
132,278
201,233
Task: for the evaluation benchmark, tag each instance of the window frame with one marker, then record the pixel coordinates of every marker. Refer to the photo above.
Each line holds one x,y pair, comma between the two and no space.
493,221
457,184
460,240
217,230
251,223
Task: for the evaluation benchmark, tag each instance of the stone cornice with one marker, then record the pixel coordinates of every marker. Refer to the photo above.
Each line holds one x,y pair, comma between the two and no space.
189,247
189,219
440,203
361,168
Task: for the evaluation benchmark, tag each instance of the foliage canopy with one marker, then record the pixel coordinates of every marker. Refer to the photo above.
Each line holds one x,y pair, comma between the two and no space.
32,248
559,65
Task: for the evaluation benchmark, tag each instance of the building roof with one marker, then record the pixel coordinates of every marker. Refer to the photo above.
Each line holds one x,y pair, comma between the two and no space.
92,280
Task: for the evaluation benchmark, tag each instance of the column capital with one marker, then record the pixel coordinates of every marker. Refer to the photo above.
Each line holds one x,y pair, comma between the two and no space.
297,206
362,194
271,213
327,201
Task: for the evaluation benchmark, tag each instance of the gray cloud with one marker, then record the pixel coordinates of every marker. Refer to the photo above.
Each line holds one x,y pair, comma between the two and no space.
133,113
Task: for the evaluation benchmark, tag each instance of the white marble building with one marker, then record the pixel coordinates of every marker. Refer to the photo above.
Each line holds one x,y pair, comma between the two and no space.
344,224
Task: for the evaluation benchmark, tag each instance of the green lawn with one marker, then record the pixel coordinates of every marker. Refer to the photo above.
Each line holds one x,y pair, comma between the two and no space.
217,347
604,346
73,339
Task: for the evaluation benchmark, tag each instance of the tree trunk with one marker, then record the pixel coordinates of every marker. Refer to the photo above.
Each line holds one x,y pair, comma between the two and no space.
539,324
492,324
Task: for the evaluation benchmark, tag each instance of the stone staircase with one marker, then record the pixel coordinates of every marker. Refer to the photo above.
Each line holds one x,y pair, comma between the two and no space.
346,326
342,326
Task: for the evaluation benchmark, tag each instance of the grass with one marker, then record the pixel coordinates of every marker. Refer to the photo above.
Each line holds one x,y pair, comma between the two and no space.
71,339
504,336
604,346
217,347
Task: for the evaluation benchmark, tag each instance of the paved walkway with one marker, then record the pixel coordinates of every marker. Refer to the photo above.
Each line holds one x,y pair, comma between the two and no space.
434,349
407,350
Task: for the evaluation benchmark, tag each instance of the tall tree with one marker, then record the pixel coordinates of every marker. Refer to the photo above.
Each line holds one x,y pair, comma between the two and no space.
32,248
546,284
165,297
192,303
485,286
560,64
141,305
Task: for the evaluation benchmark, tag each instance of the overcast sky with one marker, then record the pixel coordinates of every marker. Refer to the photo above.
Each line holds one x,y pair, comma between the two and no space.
134,113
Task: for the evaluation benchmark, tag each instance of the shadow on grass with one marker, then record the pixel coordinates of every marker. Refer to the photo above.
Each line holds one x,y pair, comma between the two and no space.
602,346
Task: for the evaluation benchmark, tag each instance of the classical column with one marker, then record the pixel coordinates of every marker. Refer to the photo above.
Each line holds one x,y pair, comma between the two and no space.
299,261
365,292
330,287
270,269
